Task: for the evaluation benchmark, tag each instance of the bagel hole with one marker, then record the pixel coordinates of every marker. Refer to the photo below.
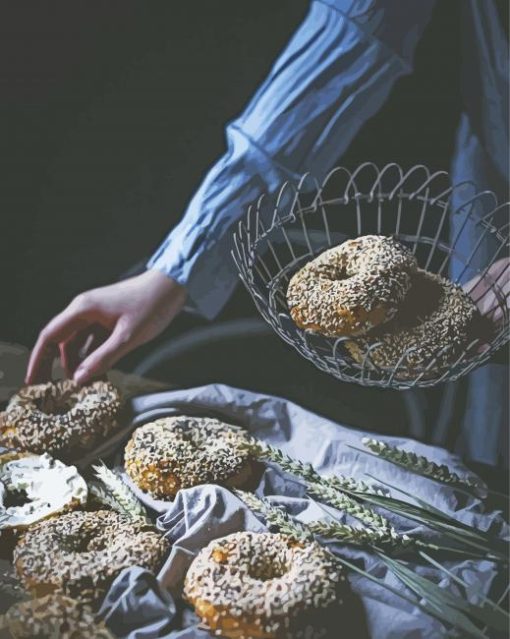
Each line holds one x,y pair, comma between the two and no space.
78,544
15,499
55,405
421,301
332,273
266,571
51,405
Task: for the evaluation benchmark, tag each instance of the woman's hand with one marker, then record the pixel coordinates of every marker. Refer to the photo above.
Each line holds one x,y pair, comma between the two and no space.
483,291
104,324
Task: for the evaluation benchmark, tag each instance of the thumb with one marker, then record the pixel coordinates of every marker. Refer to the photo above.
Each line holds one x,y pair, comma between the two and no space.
105,356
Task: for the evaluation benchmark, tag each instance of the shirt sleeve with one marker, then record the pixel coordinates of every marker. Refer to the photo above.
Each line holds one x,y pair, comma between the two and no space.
335,73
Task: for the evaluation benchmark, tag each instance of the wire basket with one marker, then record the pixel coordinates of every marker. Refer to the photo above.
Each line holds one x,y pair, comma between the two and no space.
454,231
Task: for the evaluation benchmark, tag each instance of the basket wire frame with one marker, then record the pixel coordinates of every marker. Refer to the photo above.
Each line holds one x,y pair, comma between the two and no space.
421,209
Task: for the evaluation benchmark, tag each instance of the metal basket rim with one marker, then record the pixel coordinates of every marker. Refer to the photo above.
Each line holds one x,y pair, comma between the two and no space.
253,231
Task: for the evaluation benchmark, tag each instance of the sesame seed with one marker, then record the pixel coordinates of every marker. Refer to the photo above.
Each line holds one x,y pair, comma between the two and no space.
262,583
180,451
60,417
80,553
351,288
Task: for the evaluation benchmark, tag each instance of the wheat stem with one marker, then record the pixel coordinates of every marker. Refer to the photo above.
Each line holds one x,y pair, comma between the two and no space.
376,522
348,534
432,599
275,516
115,493
419,464
328,489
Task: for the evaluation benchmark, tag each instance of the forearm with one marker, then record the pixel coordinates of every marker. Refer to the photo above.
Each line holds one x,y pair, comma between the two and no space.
335,74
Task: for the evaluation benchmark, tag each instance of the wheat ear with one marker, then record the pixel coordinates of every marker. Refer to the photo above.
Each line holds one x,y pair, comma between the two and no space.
115,493
328,489
419,464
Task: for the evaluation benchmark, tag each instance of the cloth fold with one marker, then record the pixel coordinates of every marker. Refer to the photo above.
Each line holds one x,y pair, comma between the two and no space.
203,513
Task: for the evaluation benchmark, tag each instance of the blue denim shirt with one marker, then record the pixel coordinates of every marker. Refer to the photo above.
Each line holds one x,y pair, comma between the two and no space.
335,73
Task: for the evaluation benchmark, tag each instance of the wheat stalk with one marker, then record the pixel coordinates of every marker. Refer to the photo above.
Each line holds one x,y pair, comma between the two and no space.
293,466
335,490
103,496
349,534
262,450
341,482
328,489
418,464
115,493
450,609
375,521
275,516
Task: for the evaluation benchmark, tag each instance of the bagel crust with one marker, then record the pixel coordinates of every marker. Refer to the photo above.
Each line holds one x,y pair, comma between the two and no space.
179,452
79,554
53,616
351,288
60,418
436,318
262,585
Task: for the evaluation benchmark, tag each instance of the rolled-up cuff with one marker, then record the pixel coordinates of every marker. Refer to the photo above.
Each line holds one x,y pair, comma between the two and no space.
197,253
209,290
334,75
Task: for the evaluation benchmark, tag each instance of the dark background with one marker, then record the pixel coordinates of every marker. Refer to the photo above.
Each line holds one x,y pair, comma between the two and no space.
112,111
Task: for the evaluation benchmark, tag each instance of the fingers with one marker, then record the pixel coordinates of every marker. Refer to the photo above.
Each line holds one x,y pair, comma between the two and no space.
74,350
70,351
491,292
106,355
61,327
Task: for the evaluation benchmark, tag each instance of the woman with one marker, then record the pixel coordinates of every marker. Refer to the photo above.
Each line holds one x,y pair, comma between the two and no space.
335,73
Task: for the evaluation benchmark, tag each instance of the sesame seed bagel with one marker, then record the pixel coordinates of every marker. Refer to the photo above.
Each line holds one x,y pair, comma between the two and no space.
179,452
33,487
351,288
59,418
80,553
435,315
262,585
52,617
